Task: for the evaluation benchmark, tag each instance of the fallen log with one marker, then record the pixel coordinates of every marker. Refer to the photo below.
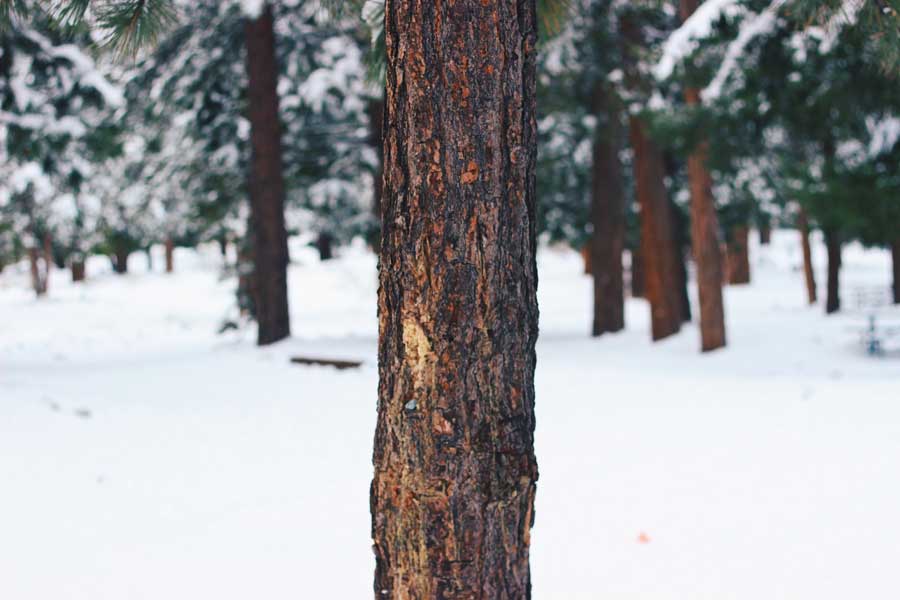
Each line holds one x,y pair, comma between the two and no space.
327,362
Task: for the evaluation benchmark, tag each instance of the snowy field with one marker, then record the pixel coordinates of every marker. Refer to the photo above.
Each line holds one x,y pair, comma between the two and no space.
145,457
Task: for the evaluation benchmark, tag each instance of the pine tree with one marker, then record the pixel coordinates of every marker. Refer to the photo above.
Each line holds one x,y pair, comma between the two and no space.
453,494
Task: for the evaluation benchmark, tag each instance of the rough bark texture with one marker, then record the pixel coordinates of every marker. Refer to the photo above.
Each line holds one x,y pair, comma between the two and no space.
808,273
895,258
833,245
376,129
266,182
738,253
170,255
608,218
657,244
638,289
455,473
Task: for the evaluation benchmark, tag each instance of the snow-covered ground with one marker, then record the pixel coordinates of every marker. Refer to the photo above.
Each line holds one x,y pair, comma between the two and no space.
143,456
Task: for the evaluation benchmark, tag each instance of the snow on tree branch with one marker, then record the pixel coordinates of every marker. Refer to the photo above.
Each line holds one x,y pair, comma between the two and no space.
684,40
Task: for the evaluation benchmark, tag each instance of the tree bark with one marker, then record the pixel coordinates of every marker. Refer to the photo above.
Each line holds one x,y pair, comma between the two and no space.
266,182
808,273
657,243
638,289
452,499
833,245
608,218
78,271
170,255
120,258
895,261
765,235
376,128
324,246
738,252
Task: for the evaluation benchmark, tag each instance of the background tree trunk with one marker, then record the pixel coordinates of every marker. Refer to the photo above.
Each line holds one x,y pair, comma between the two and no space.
895,259
738,253
833,245
453,494
376,128
324,246
808,273
39,271
657,244
765,235
170,255
77,267
638,289
120,258
587,257
267,182
608,217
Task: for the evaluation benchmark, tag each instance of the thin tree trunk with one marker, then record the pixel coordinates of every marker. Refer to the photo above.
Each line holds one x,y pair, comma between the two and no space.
608,217
453,495
324,246
376,127
78,271
39,271
120,261
706,251
808,273
657,244
267,182
833,244
895,261
170,255
738,252
638,289
765,235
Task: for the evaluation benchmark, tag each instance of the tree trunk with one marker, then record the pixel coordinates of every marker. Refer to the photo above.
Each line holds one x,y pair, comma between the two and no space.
39,271
833,244
455,473
170,255
266,182
738,252
324,246
705,232
608,217
895,260
765,235
78,271
808,273
587,257
376,126
120,259
657,243
638,289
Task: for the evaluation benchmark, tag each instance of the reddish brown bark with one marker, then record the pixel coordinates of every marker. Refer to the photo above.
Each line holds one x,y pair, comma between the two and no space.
833,245
170,255
657,244
455,473
738,255
266,182
608,218
587,258
705,244
376,127
78,272
808,273
895,261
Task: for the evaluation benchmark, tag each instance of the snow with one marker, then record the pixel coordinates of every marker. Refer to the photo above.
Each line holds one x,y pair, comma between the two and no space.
253,8
145,457
684,40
